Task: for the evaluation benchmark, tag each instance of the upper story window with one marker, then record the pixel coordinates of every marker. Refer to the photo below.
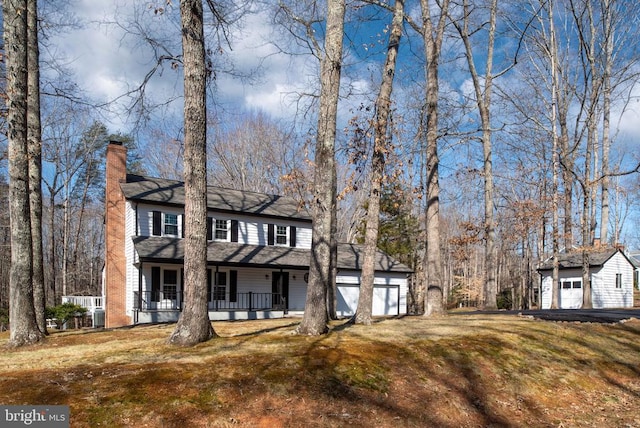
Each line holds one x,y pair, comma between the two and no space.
165,224
618,280
222,230
170,224
281,235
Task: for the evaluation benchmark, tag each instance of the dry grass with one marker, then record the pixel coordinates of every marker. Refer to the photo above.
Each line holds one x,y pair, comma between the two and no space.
456,371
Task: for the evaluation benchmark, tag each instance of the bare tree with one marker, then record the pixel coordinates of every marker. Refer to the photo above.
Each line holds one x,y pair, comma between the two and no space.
24,327
193,325
34,137
483,89
381,149
315,317
433,36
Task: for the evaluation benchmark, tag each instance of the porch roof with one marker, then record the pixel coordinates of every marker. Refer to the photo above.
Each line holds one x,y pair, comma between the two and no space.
171,250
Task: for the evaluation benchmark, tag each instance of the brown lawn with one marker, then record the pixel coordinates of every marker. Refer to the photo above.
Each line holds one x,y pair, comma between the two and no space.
455,371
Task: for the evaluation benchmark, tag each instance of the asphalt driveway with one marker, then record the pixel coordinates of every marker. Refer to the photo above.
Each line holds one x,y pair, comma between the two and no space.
576,315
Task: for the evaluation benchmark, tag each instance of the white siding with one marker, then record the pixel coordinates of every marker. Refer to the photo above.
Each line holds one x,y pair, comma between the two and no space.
603,284
545,300
604,293
252,230
131,257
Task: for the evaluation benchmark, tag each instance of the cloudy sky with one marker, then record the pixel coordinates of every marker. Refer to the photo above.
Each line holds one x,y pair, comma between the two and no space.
107,62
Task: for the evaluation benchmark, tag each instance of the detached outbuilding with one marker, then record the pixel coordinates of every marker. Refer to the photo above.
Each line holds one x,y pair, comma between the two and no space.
611,274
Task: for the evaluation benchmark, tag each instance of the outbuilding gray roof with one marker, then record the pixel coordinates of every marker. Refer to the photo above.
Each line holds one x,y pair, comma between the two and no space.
171,250
574,259
171,192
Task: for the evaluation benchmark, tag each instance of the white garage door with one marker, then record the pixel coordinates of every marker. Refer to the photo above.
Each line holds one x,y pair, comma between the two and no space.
386,299
571,293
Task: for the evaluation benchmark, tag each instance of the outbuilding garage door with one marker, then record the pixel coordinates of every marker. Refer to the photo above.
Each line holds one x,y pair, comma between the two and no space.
386,299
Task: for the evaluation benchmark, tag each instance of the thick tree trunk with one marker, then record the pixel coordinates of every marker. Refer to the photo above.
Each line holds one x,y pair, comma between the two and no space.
34,137
314,321
194,325
381,147
434,296
24,328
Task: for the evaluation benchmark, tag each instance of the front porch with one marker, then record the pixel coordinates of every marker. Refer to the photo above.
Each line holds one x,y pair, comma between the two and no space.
158,306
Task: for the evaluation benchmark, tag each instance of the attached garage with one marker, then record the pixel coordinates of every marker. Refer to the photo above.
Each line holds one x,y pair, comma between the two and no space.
386,300
389,291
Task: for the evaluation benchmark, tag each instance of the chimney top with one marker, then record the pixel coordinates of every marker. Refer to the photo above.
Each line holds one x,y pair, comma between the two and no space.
115,143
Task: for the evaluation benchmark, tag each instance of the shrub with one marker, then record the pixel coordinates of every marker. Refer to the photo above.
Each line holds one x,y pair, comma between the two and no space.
4,319
64,312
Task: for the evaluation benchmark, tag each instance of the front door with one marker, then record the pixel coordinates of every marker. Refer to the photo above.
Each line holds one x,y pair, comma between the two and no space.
280,290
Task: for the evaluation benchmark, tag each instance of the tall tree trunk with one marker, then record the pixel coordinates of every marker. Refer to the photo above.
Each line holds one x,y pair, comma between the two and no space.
607,11
24,327
434,296
381,147
553,65
34,137
51,294
483,100
194,325
314,321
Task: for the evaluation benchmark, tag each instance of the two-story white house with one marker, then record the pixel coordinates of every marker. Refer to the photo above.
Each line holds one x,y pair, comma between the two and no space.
258,254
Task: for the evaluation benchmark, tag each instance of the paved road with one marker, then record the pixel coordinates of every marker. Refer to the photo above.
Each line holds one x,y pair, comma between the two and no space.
579,315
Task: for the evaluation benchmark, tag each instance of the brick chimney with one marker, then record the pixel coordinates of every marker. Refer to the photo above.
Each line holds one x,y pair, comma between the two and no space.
115,258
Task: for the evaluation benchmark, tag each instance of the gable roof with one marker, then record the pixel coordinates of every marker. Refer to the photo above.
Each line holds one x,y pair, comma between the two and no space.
171,192
635,259
573,260
171,250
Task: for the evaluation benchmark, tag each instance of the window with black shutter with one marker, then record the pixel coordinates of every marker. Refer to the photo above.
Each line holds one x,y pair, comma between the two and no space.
233,286
155,283
209,229
270,234
234,230
292,236
157,223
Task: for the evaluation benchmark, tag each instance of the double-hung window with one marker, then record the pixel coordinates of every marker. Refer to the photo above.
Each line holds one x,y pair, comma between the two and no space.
220,286
222,230
618,280
170,285
281,235
170,224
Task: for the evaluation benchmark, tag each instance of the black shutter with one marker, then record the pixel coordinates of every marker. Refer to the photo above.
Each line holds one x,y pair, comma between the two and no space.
270,234
292,236
209,229
182,224
233,286
155,284
209,290
157,223
234,230
181,290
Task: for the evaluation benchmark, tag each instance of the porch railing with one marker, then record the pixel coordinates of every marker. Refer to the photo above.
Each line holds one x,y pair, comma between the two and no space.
90,302
250,301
